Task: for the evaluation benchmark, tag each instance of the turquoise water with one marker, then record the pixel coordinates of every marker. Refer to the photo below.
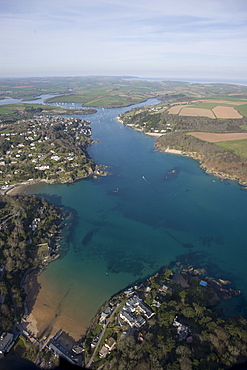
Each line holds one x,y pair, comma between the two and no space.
143,216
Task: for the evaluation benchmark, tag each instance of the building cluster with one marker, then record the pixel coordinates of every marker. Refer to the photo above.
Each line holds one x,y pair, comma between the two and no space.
135,312
32,142
34,223
61,345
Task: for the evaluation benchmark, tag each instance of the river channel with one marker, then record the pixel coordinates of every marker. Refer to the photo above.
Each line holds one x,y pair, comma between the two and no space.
153,208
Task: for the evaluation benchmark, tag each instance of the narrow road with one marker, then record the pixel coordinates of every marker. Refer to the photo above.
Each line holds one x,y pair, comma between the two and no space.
101,336
7,219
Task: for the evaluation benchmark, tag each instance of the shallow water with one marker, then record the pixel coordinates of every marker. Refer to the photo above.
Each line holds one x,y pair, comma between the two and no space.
152,208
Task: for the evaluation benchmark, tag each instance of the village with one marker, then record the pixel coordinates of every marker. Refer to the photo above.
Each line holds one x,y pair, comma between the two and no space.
131,313
126,314
177,300
48,148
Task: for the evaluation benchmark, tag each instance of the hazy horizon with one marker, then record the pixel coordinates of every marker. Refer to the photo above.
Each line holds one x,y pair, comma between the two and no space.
201,80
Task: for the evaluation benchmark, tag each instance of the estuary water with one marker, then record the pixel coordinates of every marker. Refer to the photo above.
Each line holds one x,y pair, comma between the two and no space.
152,209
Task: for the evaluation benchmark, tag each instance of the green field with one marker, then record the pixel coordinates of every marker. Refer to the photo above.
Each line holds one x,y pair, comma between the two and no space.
242,109
203,105
19,111
237,146
117,92
102,98
233,99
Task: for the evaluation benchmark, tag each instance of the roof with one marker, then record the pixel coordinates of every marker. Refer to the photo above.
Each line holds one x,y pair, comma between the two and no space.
110,343
125,315
104,351
59,350
5,340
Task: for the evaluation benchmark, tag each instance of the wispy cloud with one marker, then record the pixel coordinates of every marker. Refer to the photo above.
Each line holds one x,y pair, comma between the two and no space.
123,37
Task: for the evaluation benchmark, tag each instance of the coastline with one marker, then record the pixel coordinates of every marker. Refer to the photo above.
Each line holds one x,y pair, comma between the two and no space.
19,188
43,311
155,134
46,316
194,155
43,308
210,171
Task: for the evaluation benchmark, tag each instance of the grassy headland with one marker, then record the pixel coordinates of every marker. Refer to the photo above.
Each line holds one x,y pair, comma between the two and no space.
224,159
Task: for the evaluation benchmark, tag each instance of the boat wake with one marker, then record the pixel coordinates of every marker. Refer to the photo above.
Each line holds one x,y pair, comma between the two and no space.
144,178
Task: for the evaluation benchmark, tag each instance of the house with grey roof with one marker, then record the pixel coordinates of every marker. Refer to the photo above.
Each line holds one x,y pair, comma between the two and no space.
59,350
6,342
135,303
126,316
105,314
131,312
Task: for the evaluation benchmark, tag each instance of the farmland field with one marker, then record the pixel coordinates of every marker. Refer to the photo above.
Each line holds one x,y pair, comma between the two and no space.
196,112
211,108
242,110
216,138
226,112
227,102
238,146
175,109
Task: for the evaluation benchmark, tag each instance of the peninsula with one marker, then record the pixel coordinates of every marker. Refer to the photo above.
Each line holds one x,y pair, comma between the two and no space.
212,131
168,321
45,148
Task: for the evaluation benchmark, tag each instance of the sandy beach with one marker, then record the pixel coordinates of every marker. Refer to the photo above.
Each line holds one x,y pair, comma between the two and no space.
46,311
155,134
18,189
174,151
44,304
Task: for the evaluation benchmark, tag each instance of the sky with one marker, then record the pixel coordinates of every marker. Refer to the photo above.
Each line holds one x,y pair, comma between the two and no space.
186,39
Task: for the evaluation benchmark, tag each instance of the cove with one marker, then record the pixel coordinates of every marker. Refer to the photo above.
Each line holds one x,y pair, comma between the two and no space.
152,209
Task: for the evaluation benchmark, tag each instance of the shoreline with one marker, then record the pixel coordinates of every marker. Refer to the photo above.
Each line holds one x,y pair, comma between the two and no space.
19,188
198,158
46,316
193,155
155,134
43,308
43,313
